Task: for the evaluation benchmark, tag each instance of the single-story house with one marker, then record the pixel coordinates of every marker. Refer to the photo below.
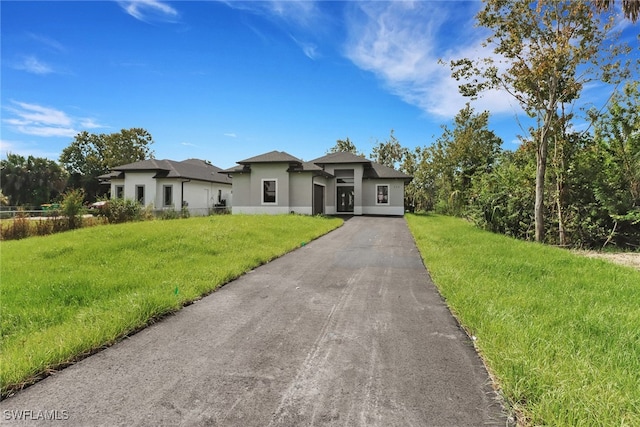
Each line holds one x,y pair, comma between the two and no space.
193,184
338,183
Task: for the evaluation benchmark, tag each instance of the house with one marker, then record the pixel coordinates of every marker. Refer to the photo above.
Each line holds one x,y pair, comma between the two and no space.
193,184
338,183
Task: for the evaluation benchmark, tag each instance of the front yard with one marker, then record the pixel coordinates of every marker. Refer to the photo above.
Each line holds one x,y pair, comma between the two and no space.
66,295
559,331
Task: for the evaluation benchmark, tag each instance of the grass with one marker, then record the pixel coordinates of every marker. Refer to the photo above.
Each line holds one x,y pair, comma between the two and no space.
559,332
69,294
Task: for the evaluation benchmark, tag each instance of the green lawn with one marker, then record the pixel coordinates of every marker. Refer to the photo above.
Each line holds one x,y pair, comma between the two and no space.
68,294
560,332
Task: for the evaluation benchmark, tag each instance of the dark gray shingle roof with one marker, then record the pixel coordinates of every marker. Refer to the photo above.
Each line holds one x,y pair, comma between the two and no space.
340,157
188,169
271,157
381,171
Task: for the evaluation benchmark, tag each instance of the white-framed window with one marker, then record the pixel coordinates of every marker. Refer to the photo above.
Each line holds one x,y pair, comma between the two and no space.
382,194
167,195
269,191
140,194
119,191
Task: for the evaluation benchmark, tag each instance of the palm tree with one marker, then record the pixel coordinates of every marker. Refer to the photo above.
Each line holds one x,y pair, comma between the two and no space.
630,8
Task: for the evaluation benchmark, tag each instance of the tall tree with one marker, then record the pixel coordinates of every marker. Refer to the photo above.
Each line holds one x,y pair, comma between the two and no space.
91,155
389,153
550,49
459,155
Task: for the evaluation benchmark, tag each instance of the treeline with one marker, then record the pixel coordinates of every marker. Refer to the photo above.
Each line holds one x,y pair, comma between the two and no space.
31,181
592,184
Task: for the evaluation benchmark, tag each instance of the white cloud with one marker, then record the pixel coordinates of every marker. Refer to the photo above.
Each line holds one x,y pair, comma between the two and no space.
231,135
48,41
33,119
299,16
150,10
309,49
402,42
33,65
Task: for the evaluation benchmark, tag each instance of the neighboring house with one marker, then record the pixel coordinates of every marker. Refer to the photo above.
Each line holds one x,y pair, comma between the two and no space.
338,183
193,184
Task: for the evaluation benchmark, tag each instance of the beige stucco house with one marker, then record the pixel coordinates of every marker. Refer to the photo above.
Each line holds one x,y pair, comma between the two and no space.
338,183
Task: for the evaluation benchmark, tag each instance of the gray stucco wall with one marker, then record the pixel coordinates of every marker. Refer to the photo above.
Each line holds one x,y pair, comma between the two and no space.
396,197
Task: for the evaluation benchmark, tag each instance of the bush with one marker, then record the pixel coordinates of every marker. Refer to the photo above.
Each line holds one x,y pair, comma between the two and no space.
121,210
72,208
18,228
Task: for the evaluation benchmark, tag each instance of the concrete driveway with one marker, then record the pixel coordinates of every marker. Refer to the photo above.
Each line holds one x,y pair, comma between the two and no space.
348,330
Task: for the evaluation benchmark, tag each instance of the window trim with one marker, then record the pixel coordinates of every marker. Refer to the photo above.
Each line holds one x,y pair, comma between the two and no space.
119,189
140,200
263,192
378,187
164,195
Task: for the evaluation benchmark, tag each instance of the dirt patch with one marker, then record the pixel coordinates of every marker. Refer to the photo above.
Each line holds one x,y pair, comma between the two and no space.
630,259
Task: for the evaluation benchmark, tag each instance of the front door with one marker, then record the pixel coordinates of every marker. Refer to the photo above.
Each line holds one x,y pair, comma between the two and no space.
345,198
318,199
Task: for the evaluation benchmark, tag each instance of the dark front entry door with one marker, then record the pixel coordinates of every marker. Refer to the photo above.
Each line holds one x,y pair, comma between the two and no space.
344,198
318,199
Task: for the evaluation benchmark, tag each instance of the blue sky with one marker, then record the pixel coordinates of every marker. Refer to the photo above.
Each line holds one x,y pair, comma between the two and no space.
228,80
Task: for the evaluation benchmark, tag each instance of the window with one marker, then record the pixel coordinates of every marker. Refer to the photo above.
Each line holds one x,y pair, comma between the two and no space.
269,190
119,191
382,194
167,192
140,194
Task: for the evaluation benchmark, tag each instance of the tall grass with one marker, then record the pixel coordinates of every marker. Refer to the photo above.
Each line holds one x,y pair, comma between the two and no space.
68,294
560,332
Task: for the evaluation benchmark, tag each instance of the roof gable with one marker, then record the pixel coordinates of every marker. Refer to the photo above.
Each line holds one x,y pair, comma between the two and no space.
271,157
340,157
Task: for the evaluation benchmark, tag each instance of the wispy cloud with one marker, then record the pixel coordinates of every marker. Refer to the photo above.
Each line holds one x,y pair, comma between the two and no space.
49,42
302,20
309,49
33,65
150,11
33,119
231,135
188,144
402,42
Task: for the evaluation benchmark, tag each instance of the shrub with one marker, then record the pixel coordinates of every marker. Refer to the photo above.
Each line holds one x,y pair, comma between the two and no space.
18,228
121,210
72,207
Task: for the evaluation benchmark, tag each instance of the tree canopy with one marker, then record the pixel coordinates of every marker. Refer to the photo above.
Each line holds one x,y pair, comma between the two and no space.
91,155
31,181
548,51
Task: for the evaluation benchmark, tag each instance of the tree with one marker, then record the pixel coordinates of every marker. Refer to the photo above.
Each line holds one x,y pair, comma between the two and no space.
31,181
459,155
91,155
617,133
551,49
630,8
344,146
389,153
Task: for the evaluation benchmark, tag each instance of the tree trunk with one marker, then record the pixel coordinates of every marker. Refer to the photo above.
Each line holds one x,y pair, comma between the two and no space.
561,230
541,169
541,165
